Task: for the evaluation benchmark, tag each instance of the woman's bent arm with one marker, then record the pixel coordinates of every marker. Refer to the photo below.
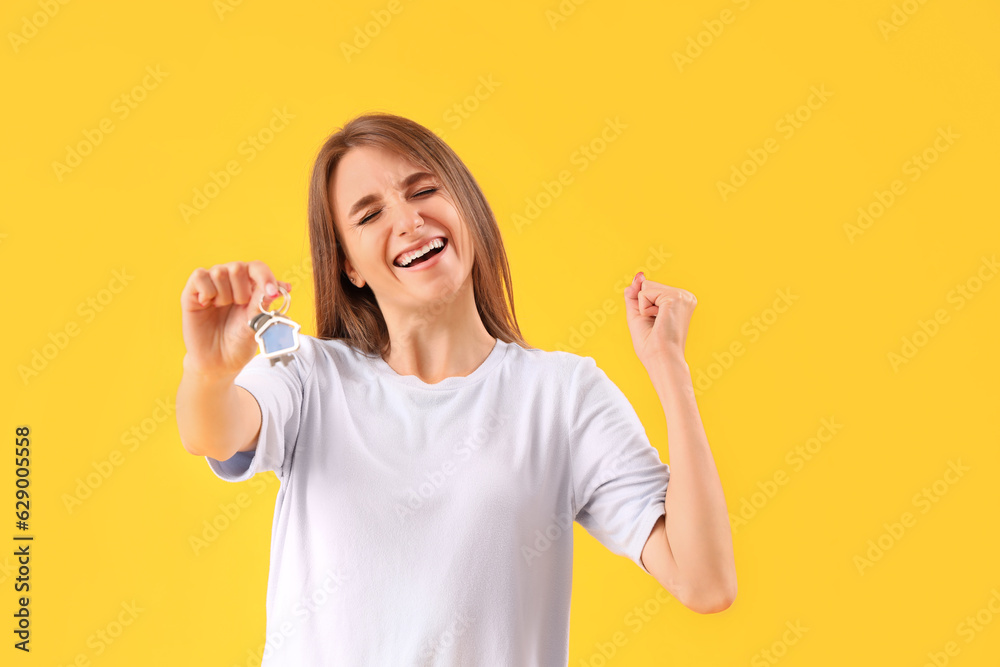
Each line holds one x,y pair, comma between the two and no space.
215,417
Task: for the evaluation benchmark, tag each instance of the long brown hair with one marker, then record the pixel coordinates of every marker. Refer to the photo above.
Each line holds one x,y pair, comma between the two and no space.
350,313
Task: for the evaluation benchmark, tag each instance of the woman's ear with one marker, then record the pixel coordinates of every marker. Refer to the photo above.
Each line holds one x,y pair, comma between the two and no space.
349,271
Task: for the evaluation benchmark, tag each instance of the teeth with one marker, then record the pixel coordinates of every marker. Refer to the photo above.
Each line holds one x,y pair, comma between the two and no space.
406,258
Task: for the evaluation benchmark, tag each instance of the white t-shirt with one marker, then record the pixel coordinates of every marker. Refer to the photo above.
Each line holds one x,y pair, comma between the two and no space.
431,524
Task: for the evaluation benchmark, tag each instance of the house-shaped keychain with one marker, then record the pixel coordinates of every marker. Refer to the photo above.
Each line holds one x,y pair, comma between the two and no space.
277,336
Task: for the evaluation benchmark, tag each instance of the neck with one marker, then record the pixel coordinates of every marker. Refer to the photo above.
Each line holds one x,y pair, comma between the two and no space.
445,338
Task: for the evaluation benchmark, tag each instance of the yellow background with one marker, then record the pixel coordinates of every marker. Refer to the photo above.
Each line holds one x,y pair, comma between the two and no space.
654,188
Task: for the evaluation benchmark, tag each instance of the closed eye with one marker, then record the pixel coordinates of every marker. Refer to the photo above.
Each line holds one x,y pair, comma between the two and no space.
375,213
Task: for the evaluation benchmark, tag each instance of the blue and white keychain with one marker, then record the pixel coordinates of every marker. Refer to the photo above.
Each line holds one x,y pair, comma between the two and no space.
277,336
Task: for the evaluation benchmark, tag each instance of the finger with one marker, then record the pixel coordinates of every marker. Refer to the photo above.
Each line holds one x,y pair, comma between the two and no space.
220,276
647,303
637,281
632,296
204,288
647,296
239,280
261,276
632,291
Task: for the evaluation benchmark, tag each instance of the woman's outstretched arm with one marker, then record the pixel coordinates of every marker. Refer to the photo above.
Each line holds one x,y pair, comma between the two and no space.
214,416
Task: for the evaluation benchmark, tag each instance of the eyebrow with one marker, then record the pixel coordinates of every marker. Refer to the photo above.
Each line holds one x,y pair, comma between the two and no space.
369,199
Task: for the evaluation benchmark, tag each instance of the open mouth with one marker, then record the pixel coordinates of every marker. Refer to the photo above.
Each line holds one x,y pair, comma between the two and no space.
430,254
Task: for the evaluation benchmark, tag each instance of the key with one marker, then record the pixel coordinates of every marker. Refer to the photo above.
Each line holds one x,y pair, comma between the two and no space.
277,336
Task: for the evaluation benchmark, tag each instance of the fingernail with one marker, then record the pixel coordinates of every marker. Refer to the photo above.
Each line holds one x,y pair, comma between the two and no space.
271,290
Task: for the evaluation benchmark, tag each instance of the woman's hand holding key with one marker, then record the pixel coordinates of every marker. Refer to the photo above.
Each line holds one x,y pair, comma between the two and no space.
216,305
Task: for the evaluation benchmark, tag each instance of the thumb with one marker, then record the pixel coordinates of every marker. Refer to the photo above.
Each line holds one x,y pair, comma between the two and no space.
632,295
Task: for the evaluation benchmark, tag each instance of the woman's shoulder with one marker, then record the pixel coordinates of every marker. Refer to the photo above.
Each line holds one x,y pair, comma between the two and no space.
320,356
332,351
563,363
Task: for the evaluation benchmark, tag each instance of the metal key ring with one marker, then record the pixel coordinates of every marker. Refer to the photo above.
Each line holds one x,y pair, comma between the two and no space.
284,306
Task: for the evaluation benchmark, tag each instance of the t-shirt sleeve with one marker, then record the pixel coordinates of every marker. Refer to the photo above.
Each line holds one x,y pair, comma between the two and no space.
619,482
279,392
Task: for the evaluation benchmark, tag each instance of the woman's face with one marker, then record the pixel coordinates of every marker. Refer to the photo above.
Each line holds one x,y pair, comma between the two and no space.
383,207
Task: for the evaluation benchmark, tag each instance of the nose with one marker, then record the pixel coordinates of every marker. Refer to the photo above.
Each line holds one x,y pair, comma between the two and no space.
408,218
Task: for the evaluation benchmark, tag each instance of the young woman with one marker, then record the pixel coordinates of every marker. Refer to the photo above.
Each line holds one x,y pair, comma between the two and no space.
431,462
